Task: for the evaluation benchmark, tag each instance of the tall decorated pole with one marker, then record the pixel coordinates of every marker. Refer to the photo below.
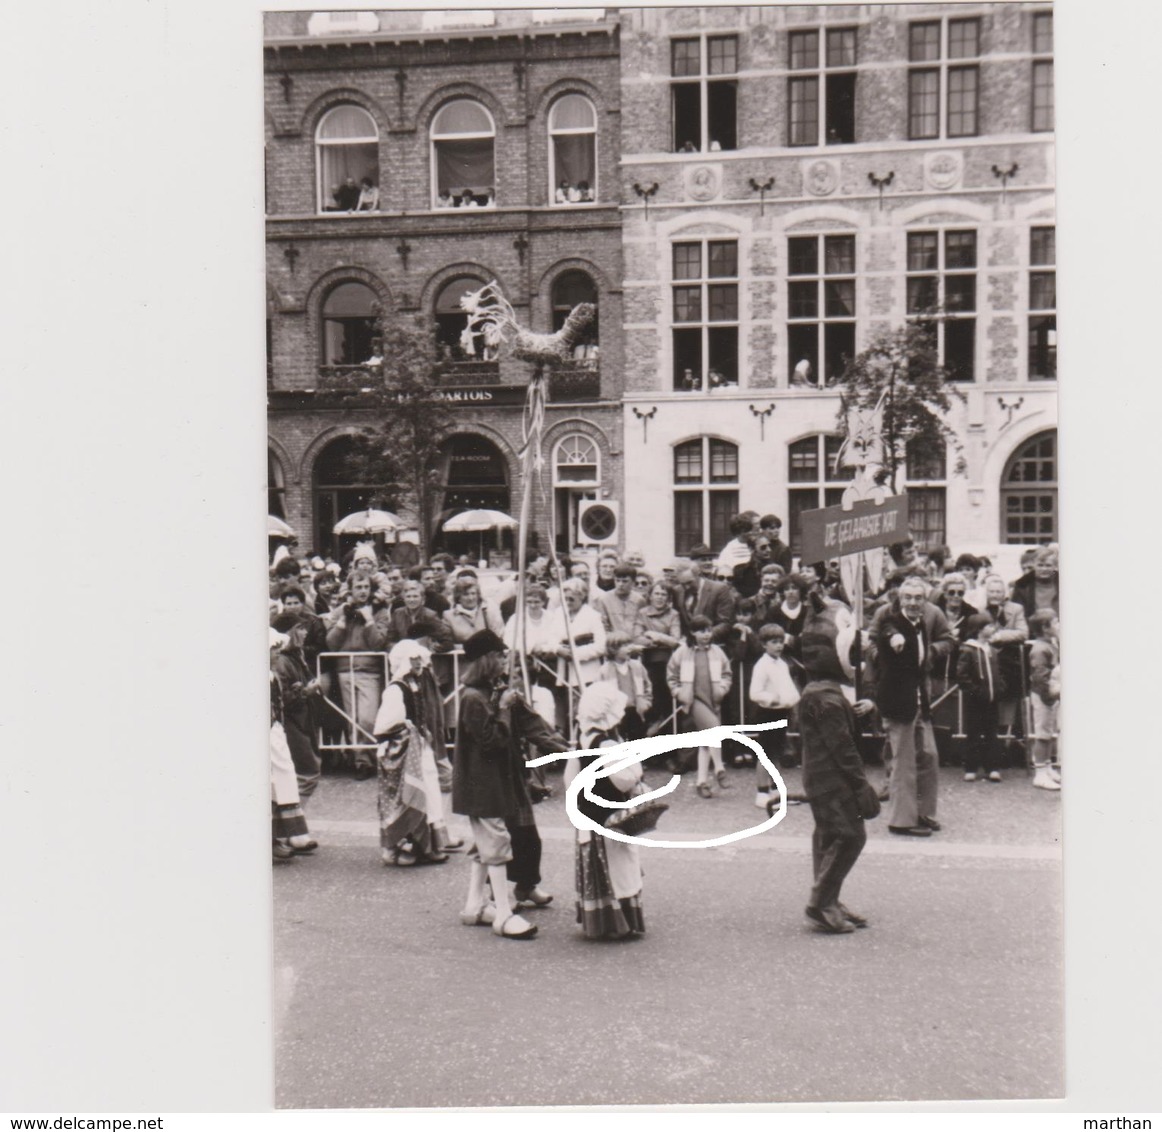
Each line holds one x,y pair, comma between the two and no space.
491,317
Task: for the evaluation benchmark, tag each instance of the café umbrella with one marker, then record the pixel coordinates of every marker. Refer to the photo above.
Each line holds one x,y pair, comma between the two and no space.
276,528
481,520
369,522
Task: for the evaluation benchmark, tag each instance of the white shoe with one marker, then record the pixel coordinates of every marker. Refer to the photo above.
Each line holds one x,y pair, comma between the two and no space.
761,799
970,776
514,927
486,915
1055,773
1043,779
994,776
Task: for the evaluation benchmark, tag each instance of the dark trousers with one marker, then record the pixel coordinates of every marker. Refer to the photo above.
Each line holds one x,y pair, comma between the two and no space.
836,844
525,867
982,747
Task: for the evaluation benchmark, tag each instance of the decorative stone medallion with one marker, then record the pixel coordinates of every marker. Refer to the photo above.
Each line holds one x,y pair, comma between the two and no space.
943,170
821,177
704,182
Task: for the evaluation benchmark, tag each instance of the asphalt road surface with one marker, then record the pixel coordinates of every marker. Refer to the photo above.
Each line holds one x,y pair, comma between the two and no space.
383,999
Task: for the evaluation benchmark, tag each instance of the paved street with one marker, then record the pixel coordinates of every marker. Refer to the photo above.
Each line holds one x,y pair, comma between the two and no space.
382,999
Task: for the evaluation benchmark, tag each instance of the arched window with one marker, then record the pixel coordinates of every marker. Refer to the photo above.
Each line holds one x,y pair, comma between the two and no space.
347,155
576,478
463,156
348,325
340,488
275,486
1029,492
569,289
705,493
572,151
452,322
577,462
474,476
811,473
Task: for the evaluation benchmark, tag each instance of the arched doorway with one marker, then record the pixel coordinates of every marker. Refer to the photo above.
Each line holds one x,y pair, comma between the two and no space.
338,490
474,473
1029,492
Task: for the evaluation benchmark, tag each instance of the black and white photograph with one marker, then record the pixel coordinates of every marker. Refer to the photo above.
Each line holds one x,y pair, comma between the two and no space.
636,598
633,372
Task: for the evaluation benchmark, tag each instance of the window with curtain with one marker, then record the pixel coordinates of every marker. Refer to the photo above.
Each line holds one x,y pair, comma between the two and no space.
347,156
463,156
348,325
572,151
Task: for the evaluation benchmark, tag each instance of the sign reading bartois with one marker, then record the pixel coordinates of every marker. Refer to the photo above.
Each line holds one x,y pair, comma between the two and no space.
831,531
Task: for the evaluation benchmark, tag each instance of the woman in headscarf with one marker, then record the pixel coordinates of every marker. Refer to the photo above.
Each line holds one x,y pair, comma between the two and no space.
410,808
608,872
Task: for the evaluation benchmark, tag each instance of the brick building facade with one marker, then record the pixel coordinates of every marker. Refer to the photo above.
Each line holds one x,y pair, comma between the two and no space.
771,186
507,102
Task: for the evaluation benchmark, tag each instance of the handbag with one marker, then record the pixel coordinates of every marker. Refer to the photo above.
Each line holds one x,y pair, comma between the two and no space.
639,819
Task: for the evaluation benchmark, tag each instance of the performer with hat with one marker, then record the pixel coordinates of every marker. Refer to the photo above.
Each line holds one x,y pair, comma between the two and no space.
488,783
834,781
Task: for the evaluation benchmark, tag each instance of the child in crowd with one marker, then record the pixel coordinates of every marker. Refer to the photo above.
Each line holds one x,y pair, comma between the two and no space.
699,678
774,694
978,671
743,648
628,674
1045,689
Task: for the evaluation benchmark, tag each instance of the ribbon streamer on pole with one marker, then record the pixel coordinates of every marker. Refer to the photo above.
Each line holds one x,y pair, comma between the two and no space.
491,315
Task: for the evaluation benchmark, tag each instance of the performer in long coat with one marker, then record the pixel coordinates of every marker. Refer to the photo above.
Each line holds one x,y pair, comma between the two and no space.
833,775
488,784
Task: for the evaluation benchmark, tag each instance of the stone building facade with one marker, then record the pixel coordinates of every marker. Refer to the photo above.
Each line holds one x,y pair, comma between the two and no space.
772,186
796,179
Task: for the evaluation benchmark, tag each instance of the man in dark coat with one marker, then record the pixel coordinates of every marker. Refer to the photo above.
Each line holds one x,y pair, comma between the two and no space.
905,652
703,597
834,781
488,783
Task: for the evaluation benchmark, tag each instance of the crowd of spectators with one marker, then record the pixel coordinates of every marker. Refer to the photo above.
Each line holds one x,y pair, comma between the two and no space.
704,638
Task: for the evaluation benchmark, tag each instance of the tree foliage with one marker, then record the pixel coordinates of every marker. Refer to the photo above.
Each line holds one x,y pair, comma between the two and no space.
401,451
902,366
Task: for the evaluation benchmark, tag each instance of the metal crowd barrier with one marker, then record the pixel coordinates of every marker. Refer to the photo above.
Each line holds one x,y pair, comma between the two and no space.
451,700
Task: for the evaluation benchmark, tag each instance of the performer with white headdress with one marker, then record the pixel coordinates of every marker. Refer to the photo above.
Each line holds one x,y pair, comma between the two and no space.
411,814
609,875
